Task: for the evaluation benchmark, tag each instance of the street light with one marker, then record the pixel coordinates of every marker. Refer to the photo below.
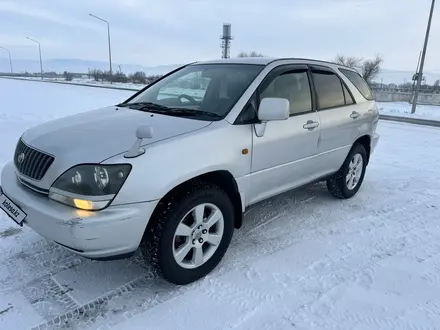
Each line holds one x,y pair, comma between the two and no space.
39,50
422,62
10,60
109,46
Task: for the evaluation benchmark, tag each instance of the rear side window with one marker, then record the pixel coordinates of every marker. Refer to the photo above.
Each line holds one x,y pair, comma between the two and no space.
358,82
328,89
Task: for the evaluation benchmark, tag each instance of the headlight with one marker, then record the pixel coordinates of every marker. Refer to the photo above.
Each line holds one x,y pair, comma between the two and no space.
89,187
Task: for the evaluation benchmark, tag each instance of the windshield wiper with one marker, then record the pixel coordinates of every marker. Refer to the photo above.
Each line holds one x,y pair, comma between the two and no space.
144,105
154,107
192,112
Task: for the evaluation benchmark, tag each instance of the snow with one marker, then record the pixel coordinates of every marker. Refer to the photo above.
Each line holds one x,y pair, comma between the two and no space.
302,260
403,109
90,81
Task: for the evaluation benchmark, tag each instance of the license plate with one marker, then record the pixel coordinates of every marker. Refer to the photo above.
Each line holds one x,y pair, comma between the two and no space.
12,210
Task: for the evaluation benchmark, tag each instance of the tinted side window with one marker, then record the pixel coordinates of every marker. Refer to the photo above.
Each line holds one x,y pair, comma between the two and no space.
359,83
348,99
328,90
293,86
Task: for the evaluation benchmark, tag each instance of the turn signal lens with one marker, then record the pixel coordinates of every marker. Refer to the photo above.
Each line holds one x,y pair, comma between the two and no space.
83,204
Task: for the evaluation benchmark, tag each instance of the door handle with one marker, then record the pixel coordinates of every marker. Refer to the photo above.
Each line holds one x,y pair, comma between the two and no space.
355,114
310,125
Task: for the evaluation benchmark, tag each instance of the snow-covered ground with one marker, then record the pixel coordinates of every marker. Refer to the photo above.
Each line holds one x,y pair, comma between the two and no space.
302,260
403,109
89,81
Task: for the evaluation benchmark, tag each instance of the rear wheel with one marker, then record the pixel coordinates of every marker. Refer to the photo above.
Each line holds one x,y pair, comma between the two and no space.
189,238
347,181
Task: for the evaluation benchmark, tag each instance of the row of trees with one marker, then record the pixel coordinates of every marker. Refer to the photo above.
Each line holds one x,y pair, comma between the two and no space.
251,54
138,77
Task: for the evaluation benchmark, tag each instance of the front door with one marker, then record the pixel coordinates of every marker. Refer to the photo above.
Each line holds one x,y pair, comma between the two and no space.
282,158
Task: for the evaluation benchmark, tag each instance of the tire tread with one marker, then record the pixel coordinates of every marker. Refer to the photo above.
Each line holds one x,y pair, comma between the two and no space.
336,184
150,245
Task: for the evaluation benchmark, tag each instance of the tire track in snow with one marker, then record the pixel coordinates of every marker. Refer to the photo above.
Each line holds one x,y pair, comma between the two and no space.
389,250
339,273
261,246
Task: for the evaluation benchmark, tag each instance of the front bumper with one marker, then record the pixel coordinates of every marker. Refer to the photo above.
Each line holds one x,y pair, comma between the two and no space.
112,232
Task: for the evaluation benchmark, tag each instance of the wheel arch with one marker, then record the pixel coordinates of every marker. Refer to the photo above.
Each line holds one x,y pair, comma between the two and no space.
365,141
221,178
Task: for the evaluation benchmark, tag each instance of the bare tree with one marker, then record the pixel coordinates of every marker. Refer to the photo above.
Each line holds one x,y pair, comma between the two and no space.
251,54
350,61
139,77
97,74
370,68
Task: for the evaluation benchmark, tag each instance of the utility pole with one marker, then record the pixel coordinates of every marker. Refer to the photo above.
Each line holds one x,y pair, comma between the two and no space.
39,50
414,79
422,61
109,46
10,60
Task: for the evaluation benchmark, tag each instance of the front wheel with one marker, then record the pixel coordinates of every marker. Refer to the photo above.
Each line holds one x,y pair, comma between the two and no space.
190,237
347,181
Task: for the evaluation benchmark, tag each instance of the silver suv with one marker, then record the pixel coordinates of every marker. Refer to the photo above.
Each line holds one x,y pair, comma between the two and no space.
172,169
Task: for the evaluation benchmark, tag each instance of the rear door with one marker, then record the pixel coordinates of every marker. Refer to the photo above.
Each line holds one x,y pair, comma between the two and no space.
338,115
366,106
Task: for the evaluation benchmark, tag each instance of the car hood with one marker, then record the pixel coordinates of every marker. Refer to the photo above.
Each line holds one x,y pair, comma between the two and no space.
94,136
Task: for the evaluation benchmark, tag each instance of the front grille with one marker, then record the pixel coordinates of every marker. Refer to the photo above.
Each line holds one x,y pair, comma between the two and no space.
31,162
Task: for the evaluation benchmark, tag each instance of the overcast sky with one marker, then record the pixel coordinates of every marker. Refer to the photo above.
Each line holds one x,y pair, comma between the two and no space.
178,31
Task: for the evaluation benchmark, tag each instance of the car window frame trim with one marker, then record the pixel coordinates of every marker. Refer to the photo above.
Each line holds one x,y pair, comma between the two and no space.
323,68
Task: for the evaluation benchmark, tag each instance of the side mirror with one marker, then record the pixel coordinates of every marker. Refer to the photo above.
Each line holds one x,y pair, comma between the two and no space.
273,108
144,132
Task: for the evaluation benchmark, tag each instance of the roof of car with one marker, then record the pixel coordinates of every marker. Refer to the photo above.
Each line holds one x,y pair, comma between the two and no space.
263,61
240,60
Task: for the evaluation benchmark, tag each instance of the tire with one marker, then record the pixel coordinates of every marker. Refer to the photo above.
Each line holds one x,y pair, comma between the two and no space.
159,243
337,185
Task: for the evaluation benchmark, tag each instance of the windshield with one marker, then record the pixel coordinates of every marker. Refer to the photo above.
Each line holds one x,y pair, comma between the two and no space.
208,88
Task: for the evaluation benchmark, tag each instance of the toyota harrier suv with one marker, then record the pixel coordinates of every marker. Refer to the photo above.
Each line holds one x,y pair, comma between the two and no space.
172,169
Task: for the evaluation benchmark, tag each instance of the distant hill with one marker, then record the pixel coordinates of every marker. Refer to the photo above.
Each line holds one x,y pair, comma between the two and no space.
82,66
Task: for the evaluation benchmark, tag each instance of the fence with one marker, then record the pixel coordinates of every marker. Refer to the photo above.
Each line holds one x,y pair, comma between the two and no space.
396,96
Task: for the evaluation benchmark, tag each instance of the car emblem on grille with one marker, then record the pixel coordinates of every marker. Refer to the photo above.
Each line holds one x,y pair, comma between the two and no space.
21,157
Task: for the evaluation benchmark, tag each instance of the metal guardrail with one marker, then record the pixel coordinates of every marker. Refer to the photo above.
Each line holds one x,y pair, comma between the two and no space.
417,121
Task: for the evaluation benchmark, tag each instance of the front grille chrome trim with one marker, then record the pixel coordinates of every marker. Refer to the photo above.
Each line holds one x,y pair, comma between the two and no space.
31,162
